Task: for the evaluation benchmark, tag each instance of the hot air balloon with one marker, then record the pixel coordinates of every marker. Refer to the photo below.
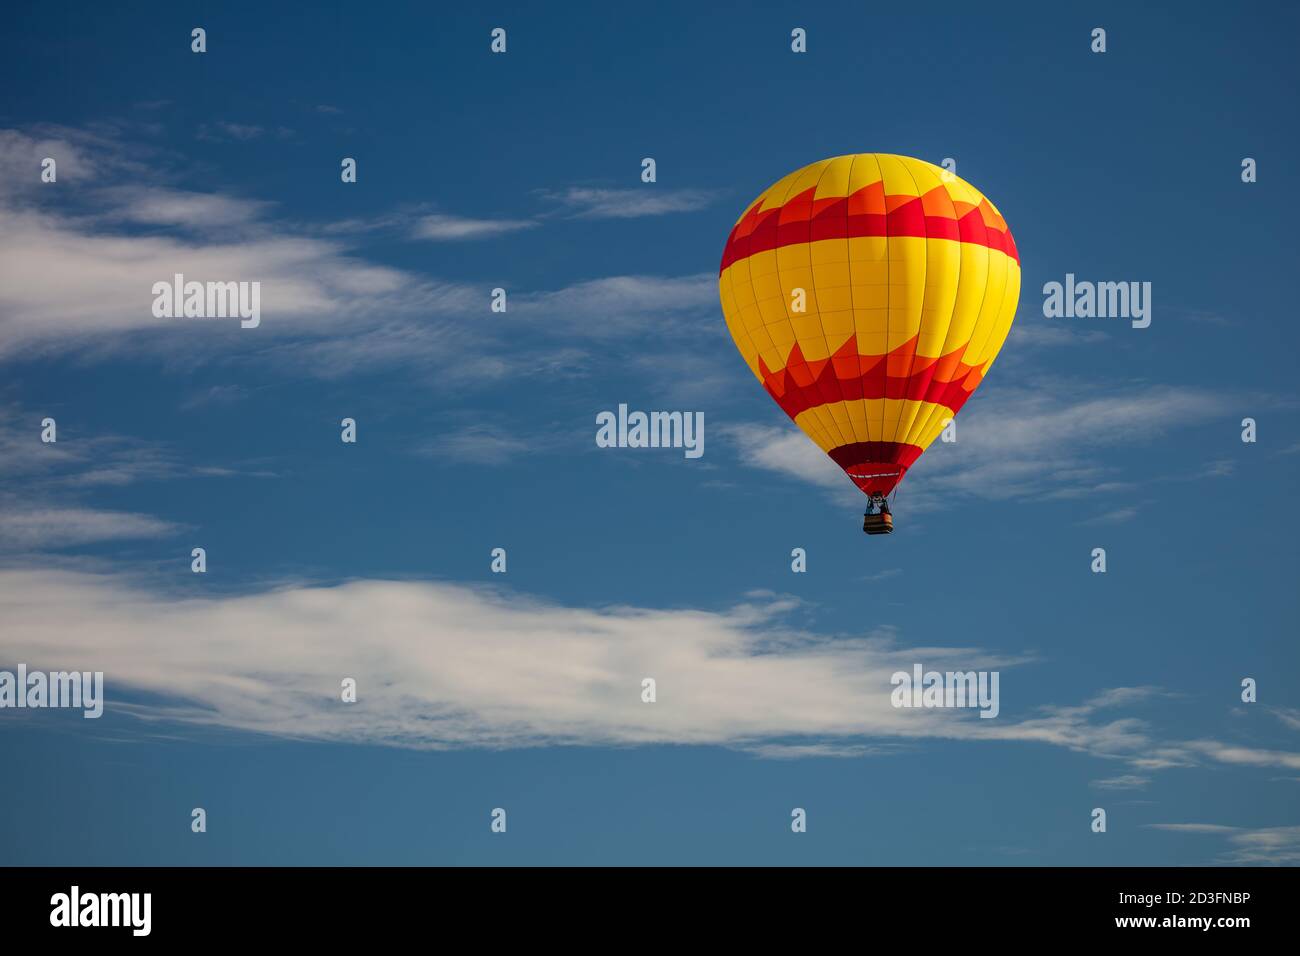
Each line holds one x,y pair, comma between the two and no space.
869,294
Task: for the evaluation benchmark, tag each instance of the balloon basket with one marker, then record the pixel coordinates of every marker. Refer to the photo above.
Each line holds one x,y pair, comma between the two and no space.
878,524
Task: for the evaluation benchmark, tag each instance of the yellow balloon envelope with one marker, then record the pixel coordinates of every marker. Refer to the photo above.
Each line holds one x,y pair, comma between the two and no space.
870,294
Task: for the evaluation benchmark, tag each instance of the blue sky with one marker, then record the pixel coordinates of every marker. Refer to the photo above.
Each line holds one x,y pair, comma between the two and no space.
476,431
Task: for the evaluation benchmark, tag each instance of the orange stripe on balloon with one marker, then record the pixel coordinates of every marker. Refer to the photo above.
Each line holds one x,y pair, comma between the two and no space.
847,376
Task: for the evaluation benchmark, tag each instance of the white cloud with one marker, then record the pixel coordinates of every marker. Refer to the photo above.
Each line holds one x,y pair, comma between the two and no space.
446,228
46,514
1036,421
62,284
1265,846
620,305
780,751
649,200
1191,827
1016,443
688,371
443,665
160,206
1245,756
21,155
883,575
81,281
478,444
217,395
1127,781
1033,334
1249,846
79,461
1125,696
75,281
788,451
1114,515
24,528
220,130
1290,716
76,276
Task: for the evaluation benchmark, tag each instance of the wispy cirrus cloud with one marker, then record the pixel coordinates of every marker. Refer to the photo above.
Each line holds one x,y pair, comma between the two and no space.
585,202
72,277
1248,846
1016,442
446,666
63,285
240,132
1265,846
1090,728
24,527
225,130
82,461
1030,334
576,202
883,575
216,395
790,453
615,306
1247,756
477,444
78,279
1290,716
55,478
163,206
441,227
1126,781
424,223
1112,515
80,156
